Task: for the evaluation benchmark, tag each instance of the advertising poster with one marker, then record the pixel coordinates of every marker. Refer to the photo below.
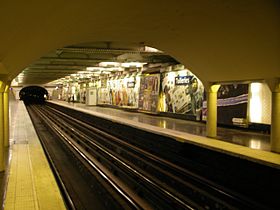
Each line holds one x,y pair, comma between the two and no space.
232,105
117,92
132,92
149,92
183,93
103,96
120,92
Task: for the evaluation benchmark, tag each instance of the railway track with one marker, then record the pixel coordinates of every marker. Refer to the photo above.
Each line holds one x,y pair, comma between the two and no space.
130,177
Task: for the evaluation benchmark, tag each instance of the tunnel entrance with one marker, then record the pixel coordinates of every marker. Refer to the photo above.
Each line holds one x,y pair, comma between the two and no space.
33,95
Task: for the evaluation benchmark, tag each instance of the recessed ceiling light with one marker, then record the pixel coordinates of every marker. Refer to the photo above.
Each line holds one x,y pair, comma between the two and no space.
109,64
133,64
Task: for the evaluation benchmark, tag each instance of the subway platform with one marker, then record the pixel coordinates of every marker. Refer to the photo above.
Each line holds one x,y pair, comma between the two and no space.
29,182
253,146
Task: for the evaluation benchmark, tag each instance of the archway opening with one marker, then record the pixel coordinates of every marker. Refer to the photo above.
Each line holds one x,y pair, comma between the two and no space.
33,94
131,75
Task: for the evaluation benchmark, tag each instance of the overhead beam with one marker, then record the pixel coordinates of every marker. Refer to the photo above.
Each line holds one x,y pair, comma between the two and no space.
91,60
104,50
50,66
55,64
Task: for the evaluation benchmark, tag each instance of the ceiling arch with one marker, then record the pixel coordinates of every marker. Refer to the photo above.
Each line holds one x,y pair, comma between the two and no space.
218,40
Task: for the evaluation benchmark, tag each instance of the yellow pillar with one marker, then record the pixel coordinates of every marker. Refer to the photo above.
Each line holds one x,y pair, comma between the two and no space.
6,116
211,123
2,165
275,119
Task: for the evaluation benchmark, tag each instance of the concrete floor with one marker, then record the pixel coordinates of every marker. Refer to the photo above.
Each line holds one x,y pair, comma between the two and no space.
28,182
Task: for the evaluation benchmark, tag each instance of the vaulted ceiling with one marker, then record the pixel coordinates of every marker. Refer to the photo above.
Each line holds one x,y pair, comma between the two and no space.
74,59
219,41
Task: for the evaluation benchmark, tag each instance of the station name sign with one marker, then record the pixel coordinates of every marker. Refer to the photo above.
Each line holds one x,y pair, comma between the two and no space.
183,80
131,84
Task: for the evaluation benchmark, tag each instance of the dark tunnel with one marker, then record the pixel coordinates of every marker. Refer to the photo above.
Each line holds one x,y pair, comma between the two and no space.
33,94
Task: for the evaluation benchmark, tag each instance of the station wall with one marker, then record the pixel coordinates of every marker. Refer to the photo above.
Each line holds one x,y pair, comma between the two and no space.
177,92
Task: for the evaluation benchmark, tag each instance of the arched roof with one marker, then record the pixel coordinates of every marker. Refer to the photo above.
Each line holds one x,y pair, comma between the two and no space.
34,89
217,40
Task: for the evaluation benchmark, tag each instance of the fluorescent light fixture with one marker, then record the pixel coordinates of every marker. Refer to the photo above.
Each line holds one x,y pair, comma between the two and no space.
97,69
133,64
151,49
109,64
93,68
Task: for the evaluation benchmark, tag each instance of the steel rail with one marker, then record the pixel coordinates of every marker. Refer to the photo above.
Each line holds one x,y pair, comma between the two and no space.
213,188
82,154
69,202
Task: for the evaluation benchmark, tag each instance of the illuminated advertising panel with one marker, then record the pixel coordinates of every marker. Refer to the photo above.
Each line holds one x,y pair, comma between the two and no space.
183,93
232,105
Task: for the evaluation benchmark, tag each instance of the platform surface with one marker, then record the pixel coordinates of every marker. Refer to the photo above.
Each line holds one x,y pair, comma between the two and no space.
249,145
30,181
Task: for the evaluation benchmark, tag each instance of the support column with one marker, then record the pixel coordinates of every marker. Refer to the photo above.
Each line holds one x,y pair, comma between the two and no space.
6,116
2,165
274,85
211,123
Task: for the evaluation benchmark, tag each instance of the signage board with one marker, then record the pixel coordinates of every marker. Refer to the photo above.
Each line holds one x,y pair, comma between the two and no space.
183,80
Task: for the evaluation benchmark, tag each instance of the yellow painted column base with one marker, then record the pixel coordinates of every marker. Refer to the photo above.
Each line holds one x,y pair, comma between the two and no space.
2,165
211,123
6,116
